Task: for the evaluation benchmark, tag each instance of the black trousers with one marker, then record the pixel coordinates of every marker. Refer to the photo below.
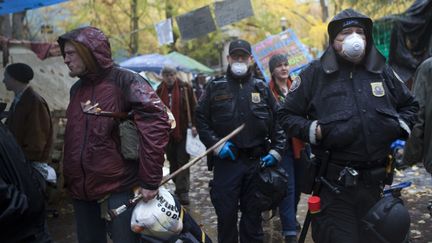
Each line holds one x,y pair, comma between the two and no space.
339,219
229,194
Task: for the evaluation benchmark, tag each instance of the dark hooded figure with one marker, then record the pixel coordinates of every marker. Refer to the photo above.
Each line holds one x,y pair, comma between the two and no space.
22,204
98,176
350,106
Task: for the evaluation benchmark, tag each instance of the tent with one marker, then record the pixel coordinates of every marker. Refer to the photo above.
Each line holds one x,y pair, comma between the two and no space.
189,63
150,63
13,6
411,38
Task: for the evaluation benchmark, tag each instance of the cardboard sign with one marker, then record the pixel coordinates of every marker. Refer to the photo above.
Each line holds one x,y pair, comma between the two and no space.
196,23
228,12
286,43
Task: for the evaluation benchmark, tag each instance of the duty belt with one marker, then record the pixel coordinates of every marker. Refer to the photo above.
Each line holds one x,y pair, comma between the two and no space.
252,153
361,165
350,175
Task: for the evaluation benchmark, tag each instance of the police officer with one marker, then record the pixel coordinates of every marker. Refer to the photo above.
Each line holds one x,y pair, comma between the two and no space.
227,103
351,105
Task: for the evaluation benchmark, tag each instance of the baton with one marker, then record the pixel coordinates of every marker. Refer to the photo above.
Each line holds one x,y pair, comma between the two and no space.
132,202
316,190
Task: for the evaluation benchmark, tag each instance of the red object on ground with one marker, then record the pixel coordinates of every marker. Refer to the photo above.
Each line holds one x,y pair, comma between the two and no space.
314,204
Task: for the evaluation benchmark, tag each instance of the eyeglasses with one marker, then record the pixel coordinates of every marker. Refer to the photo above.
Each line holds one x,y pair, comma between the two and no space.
239,56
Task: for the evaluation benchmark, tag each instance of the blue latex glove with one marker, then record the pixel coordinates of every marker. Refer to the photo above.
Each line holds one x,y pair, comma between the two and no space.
227,151
398,144
268,160
397,148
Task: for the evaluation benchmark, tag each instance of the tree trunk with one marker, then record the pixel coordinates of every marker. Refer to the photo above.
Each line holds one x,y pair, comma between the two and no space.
134,28
18,27
324,11
169,9
324,17
5,26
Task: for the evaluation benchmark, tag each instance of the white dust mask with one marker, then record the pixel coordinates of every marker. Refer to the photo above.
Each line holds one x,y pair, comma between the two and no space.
353,47
239,68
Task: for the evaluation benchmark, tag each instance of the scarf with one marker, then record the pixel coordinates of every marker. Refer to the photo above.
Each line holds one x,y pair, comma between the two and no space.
175,105
277,92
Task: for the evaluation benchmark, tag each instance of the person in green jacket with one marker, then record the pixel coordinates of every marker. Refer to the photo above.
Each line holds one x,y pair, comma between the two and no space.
419,145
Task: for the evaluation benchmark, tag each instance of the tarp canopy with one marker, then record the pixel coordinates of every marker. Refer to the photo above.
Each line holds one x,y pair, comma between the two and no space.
411,40
14,6
189,63
150,63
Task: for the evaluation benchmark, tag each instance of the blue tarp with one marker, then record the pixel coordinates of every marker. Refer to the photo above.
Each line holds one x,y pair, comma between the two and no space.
14,6
150,62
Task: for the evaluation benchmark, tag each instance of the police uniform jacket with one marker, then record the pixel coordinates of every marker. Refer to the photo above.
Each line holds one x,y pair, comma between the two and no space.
229,102
361,109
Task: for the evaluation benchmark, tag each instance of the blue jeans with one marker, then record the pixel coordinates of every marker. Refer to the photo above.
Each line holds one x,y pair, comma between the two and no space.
287,208
91,228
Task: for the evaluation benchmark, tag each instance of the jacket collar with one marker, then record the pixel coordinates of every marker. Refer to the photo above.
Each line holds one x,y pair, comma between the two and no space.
374,61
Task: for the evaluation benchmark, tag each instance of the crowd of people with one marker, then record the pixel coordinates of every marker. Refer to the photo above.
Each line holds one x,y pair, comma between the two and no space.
343,110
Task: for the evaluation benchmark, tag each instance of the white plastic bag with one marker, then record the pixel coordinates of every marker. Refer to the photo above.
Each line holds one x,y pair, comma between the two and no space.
159,217
194,146
46,171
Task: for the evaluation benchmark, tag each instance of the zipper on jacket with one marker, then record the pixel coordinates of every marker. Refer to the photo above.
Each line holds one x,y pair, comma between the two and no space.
83,146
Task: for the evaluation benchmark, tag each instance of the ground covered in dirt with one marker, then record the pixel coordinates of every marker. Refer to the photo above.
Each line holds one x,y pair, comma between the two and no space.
415,197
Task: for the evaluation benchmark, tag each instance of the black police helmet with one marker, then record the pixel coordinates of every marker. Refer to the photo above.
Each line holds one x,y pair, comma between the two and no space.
388,221
268,188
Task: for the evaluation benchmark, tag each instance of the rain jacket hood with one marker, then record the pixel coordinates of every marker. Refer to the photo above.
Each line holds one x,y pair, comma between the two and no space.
343,18
95,40
373,61
93,164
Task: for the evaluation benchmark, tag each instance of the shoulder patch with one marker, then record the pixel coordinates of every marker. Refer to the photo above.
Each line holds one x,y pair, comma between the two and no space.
295,84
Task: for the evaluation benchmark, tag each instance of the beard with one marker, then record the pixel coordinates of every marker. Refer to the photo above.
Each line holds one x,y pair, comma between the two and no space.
77,73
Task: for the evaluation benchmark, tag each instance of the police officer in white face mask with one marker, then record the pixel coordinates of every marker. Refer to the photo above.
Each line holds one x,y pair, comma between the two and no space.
227,103
351,105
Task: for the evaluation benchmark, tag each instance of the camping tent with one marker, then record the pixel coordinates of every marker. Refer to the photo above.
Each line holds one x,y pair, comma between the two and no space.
150,63
189,63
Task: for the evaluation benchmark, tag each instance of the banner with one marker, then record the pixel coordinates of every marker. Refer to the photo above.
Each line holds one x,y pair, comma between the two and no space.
196,23
228,12
164,32
285,42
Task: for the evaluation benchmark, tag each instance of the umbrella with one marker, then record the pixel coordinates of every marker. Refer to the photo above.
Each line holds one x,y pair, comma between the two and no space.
150,62
189,63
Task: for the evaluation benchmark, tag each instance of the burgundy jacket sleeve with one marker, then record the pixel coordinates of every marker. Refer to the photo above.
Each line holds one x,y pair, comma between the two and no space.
153,125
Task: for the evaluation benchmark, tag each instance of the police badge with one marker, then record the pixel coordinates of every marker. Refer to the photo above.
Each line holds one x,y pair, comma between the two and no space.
256,98
378,89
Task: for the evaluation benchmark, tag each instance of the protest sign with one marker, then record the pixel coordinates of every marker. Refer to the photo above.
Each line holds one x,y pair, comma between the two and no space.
196,23
164,32
285,42
228,12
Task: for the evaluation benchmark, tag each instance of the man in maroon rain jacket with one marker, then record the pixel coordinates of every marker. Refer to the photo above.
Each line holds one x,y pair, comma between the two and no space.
95,170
